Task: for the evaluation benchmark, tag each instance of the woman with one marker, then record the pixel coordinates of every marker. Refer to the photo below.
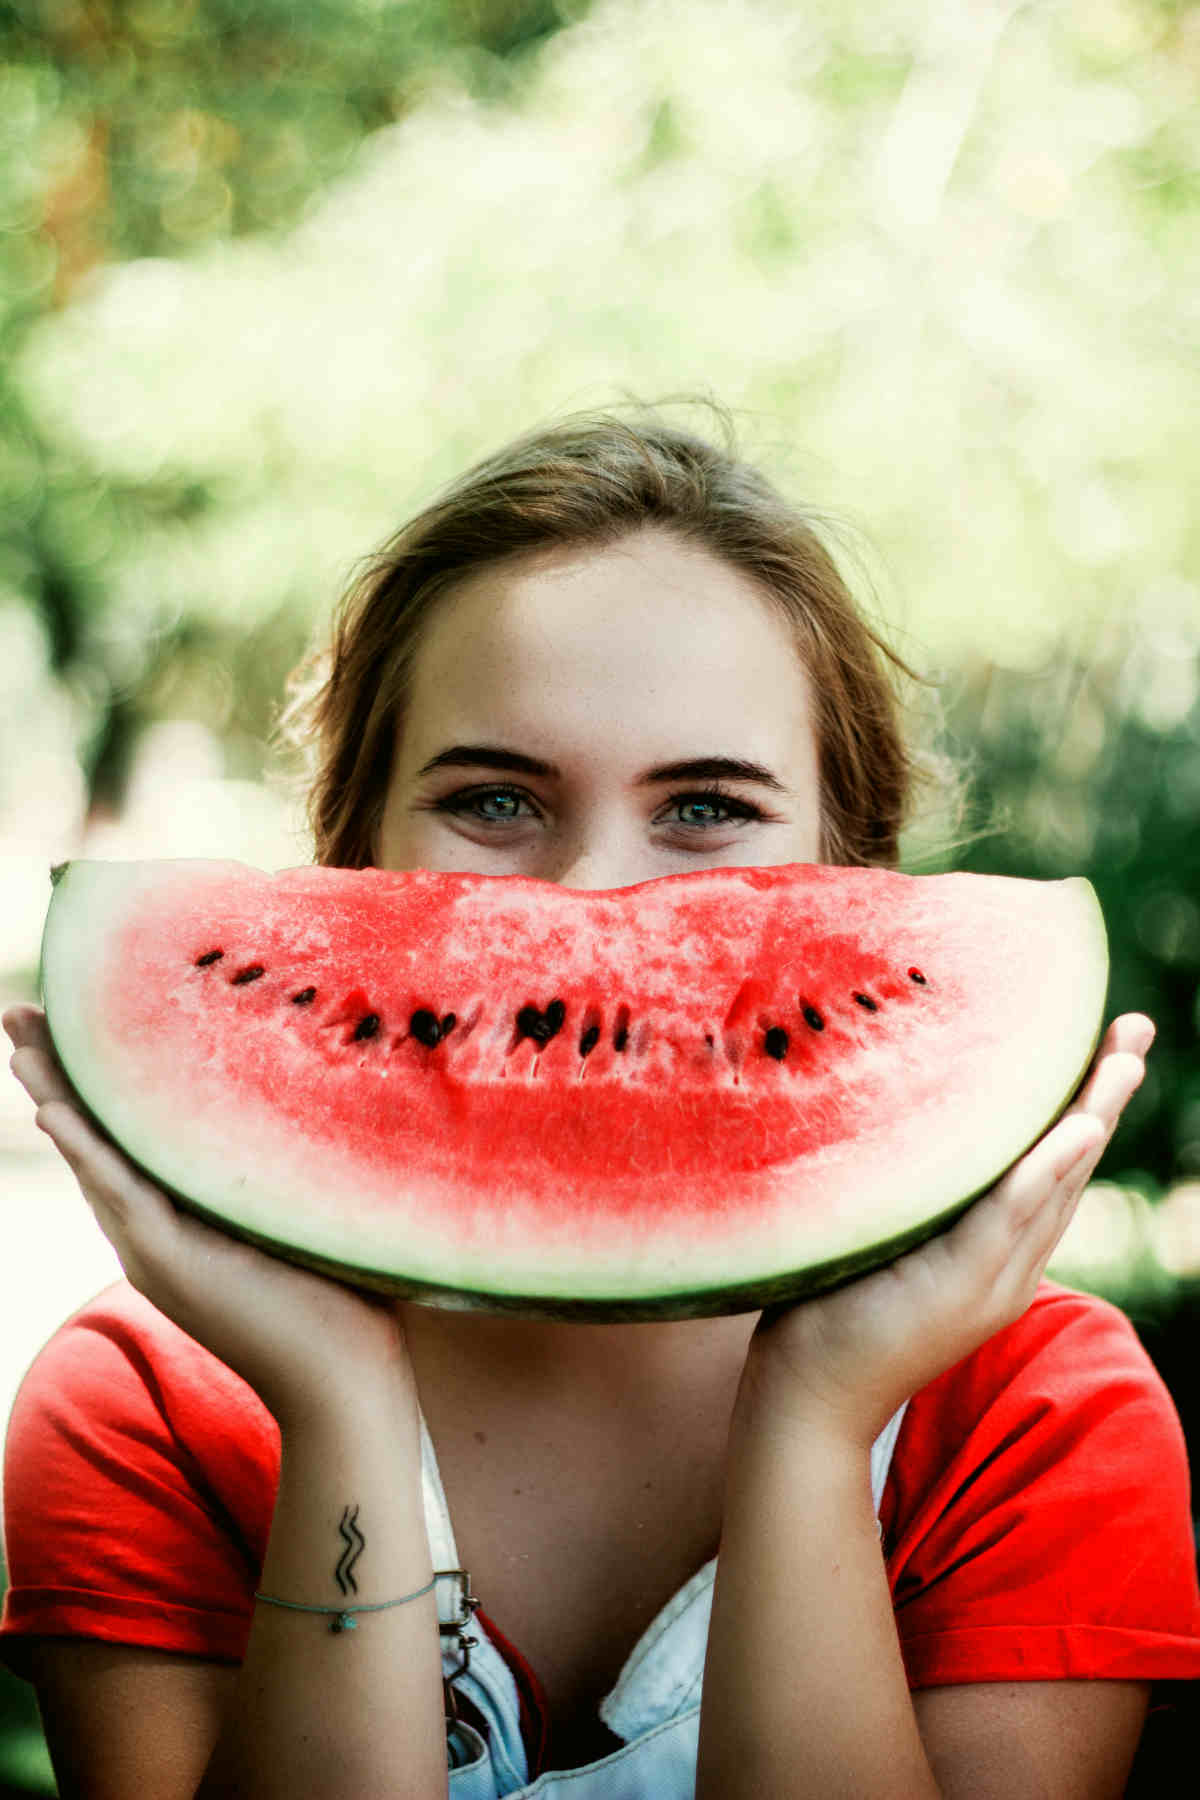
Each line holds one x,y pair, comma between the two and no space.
609,653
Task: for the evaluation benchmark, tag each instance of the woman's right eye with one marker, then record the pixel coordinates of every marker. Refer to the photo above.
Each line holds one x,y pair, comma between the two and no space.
467,798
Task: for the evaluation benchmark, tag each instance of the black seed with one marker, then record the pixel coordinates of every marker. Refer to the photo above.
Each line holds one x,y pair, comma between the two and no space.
710,1040
916,975
812,1017
866,1000
589,1040
541,1026
424,1027
620,1037
305,997
210,956
245,975
449,1021
776,1043
366,1027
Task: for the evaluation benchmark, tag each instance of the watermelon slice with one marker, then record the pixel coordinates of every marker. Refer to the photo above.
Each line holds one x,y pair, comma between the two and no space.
699,1094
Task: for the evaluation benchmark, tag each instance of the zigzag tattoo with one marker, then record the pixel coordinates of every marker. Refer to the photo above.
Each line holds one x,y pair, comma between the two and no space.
355,1543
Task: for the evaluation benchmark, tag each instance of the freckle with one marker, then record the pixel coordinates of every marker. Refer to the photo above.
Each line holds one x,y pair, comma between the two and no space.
481,1437
516,1490
646,1486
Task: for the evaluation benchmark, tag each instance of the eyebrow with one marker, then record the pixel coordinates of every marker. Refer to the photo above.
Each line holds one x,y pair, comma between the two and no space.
700,768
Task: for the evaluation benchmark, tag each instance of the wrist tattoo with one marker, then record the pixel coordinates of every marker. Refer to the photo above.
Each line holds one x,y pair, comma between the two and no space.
355,1544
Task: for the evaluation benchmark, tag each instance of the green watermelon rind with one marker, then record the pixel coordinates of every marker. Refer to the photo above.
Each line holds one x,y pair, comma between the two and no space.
747,1295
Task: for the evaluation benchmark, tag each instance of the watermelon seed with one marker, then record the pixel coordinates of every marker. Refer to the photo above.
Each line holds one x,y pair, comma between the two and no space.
710,1040
305,997
866,1000
210,956
621,1031
916,975
812,1017
424,1027
589,1040
541,1026
449,1021
366,1028
245,975
776,1043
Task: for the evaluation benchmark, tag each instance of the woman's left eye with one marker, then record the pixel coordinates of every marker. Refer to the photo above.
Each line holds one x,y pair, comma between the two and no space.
715,800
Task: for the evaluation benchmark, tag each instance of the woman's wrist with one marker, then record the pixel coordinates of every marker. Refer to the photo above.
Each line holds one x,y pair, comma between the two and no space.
345,1404
776,1399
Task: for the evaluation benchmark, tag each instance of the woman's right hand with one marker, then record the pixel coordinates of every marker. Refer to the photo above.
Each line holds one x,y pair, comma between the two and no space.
303,1341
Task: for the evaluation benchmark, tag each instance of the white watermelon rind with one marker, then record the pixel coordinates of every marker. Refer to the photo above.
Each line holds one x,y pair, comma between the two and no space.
542,1293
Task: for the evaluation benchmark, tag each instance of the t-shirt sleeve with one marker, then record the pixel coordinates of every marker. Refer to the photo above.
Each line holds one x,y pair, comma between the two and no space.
1037,1516
139,1483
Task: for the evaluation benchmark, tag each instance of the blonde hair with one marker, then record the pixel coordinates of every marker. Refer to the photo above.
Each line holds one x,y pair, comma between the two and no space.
589,480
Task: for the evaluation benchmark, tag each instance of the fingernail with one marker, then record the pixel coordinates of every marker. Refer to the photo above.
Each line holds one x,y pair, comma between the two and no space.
1148,1036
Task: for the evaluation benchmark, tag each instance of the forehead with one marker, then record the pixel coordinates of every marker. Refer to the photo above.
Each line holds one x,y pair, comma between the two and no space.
647,627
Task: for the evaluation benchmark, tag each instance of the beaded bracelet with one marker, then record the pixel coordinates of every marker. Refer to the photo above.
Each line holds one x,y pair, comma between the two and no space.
344,1619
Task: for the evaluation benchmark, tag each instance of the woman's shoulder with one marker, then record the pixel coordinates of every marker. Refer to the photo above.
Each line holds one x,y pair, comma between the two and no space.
1071,1365
1066,1349
1037,1515
139,1484
119,1346
118,1381
1059,1417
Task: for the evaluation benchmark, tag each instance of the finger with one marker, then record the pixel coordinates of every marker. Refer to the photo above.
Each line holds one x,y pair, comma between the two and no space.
1113,1083
1045,1189
1075,1139
1133,1031
1132,1034
997,1240
104,1175
24,1024
41,1076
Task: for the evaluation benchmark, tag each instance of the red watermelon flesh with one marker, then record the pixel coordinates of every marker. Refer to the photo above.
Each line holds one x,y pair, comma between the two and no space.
691,1095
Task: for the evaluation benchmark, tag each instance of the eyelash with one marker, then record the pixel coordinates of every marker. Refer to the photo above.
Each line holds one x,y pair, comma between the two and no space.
715,795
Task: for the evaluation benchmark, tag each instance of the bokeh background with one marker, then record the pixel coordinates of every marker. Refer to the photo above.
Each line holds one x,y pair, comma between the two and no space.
273,270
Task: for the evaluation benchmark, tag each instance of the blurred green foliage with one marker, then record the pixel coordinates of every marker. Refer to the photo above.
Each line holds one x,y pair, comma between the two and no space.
1078,770
155,128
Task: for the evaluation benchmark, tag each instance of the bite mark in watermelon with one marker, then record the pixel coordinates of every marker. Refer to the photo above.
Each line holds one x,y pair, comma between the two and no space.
699,1094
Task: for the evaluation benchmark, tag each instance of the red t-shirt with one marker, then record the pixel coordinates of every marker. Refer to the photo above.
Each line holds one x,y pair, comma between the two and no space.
1036,1520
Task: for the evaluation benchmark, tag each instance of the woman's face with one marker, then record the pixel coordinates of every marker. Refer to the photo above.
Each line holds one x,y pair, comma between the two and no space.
557,704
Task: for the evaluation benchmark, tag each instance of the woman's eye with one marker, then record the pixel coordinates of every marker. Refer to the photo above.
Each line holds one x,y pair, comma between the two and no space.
712,802
472,798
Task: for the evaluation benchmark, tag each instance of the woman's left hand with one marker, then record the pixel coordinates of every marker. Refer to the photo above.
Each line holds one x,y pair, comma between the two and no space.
849,1358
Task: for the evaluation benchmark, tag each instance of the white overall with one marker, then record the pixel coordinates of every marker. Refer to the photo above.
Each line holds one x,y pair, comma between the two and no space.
654,1707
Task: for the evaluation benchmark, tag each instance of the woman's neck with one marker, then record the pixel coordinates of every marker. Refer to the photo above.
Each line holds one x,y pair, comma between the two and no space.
479,1362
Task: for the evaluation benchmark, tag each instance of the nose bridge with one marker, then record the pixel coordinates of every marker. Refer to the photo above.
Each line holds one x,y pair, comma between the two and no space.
602,851
594,870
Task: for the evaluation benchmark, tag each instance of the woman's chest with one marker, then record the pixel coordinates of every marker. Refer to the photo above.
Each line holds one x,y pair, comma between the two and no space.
574,1564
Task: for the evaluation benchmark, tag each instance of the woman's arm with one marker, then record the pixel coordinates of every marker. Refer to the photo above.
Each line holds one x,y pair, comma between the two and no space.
805,1689
328,1713
120,1720
311,1711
